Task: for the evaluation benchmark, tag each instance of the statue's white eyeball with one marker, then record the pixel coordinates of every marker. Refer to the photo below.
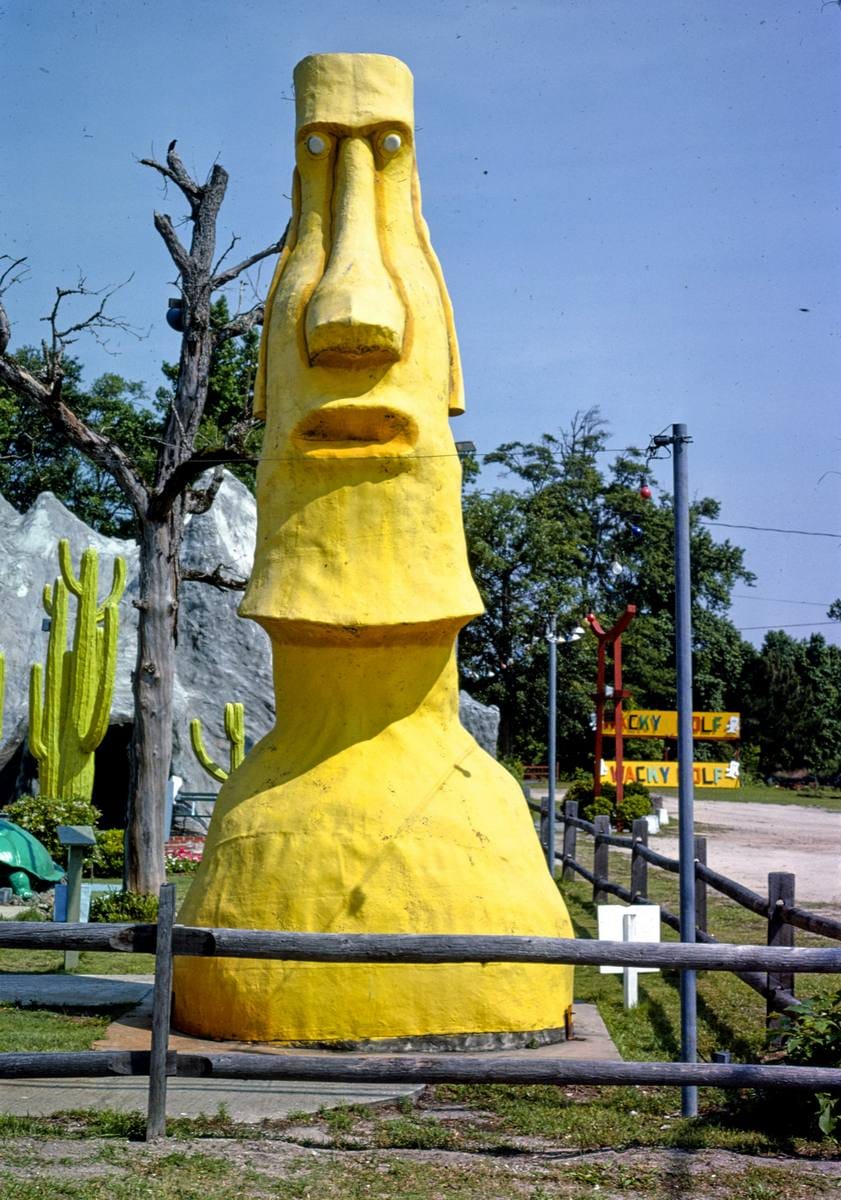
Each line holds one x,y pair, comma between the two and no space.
392,143
316,144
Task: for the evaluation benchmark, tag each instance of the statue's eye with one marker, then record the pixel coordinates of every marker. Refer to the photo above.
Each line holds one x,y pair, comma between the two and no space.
391,143
317,145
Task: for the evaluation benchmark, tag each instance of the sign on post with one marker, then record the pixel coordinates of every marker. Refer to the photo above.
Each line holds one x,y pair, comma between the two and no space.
661,723
665,774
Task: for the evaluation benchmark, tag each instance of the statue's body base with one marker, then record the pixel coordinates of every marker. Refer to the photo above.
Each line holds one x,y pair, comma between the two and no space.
386,818
434,1043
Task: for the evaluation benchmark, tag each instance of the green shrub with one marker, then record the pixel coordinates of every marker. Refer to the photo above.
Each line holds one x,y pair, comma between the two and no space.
124,906
514,766
41,816
581,790
109,853
634,788
633,806
600,806
812,1038
589,805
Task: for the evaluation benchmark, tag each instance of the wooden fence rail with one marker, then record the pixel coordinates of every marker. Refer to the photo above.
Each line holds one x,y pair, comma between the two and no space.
168,939
777,908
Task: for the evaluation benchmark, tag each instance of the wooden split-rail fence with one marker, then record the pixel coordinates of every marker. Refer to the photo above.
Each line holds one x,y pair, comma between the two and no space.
167,939
778,909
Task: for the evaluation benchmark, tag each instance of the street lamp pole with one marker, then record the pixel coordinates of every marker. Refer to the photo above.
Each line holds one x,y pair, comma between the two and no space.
552,639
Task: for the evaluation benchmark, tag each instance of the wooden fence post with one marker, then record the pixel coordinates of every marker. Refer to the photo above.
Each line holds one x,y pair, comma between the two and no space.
162,1002
544,824
700,853
780,933
639,866
601,859
570,832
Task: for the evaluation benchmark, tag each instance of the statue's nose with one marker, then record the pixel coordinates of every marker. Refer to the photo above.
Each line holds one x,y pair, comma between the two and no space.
355,316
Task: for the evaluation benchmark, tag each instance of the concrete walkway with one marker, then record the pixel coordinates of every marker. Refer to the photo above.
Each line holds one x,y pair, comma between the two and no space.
243,1100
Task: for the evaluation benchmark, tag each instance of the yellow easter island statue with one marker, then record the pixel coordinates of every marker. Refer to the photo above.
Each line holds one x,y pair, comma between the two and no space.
368,808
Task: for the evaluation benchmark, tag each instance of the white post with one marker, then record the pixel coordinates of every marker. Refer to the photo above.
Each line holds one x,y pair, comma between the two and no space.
630,975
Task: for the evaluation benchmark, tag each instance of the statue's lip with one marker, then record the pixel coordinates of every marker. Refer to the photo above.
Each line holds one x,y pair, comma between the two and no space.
355,431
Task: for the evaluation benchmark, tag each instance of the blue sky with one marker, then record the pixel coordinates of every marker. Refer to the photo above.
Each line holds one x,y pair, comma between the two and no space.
633,205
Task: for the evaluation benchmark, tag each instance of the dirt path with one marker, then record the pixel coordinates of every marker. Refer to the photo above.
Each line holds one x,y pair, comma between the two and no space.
746,841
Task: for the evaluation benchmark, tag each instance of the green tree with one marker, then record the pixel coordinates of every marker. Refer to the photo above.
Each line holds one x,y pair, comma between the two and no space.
37,457
794,704
572,537
160,500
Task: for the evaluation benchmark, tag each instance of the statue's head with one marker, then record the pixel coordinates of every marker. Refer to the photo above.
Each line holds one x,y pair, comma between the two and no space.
358,492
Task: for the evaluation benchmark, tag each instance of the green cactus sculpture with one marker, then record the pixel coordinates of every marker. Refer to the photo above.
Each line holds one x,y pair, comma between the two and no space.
67,725
235,731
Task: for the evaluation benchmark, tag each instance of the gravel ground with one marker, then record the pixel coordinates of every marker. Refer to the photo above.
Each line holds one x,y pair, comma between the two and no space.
746,841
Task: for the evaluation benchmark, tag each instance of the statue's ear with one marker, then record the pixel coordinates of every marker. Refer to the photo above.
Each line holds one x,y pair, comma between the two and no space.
259,406
456,397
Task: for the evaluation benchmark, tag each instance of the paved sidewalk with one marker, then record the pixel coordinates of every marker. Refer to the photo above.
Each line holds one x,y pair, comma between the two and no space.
244,1100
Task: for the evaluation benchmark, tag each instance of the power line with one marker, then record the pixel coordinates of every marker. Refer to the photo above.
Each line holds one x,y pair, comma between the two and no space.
779,600
796,625
773,529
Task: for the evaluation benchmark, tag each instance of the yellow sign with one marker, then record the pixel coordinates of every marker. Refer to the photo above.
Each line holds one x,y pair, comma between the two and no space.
709,726
665,774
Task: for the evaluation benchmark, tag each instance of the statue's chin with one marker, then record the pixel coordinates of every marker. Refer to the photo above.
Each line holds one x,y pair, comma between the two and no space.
299,631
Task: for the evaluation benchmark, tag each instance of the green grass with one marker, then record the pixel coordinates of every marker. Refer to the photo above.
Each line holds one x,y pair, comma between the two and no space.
39,1029
730,1016
90,963
277,1172
758,793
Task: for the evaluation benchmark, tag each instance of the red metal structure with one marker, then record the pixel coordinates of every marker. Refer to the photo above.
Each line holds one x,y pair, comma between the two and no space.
610,637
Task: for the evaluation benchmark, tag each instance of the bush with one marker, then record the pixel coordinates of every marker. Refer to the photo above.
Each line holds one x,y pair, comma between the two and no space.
581,790
124,906
514,766
41,816
589,805
635,788
812,1038
634,805
109,853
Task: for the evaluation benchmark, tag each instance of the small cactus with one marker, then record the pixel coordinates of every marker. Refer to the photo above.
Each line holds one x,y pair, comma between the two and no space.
235,731
69,722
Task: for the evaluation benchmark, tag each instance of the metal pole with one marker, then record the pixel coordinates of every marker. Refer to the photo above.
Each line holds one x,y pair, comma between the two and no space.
686,798
552,638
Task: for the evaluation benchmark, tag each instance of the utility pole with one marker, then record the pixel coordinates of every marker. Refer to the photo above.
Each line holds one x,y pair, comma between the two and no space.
552,750
679,440
553,638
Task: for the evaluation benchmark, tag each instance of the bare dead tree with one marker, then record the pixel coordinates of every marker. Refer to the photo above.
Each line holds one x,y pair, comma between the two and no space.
160,505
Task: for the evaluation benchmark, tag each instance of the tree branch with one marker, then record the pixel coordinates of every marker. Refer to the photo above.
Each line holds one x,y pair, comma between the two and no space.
162,499
178,252
215,578
224,277
240,324
178,173
95,446
199,500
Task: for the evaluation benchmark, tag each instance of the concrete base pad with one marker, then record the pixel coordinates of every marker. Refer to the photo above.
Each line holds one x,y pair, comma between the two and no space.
244,1100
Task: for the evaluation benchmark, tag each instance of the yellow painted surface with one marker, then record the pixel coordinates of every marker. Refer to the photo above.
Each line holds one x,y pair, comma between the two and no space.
657,723
665,774
368,808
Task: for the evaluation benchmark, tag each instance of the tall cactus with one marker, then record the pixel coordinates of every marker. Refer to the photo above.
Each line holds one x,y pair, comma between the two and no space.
69,723
235,731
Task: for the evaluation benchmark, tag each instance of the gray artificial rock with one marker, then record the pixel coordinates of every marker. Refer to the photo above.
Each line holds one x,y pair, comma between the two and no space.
482,720
219,656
